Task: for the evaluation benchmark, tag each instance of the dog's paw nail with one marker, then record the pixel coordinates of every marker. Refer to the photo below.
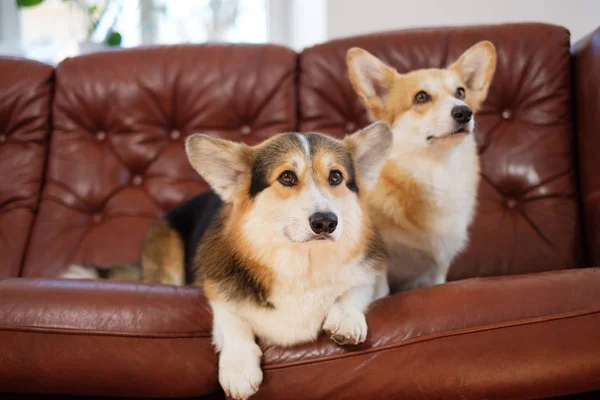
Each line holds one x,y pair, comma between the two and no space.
339,339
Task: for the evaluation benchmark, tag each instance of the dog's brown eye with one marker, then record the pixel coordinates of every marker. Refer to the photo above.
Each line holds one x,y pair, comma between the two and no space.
288,178
335,177
422,97
460,93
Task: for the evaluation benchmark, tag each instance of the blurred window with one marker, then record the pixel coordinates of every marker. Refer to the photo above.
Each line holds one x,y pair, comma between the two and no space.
56,29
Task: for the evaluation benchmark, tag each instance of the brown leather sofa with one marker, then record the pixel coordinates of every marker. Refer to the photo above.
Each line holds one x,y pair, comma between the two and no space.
92,152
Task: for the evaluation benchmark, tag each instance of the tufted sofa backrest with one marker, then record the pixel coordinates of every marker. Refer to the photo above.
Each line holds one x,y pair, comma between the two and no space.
117,159
117,121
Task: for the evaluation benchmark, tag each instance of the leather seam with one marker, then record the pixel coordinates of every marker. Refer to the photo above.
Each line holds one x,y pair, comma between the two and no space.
82,332
205,335
45,143
426,338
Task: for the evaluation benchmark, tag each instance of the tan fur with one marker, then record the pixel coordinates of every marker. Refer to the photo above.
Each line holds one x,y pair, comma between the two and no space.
121,272
125,272
399,201
476,97
163,255
424,200
372,100
210,290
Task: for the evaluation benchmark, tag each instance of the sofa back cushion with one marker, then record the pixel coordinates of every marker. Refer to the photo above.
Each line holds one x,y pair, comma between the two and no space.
528,219
120,119
25,90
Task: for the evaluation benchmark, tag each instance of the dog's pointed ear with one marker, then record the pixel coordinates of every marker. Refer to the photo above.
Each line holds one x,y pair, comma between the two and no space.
370,78
476,68
370,148
221,163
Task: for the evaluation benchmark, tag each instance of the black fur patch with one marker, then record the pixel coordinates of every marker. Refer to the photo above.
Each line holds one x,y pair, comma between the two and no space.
352,186
103,273
191,219
258,182
269,157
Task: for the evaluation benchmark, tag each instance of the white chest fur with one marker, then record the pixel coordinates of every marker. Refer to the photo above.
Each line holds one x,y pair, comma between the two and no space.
302,295
422,257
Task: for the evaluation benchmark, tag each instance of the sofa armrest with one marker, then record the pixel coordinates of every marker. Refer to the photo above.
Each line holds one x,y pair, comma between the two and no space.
105,338
26,89
586,70
528,336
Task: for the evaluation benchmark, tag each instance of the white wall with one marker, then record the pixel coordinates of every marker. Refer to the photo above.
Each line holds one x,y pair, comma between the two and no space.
354,17
309,22
9,23
297,23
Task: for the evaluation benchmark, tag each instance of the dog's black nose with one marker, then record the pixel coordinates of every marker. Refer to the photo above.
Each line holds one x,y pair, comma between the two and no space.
462,114
323,222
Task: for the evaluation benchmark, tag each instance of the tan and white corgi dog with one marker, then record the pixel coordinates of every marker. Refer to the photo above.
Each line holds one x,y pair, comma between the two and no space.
425,199
282,245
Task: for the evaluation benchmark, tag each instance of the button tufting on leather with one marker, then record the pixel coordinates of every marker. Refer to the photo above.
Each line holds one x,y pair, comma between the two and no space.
175,134
511,203
97,218
137,180
2,138
350,126
100,136
89,173
507,114
246,130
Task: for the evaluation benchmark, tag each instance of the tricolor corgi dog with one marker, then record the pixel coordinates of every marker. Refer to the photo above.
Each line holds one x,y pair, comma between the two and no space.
425,199
282,245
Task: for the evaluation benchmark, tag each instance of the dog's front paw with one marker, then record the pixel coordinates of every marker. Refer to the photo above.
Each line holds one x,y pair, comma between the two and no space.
240,374
346,327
